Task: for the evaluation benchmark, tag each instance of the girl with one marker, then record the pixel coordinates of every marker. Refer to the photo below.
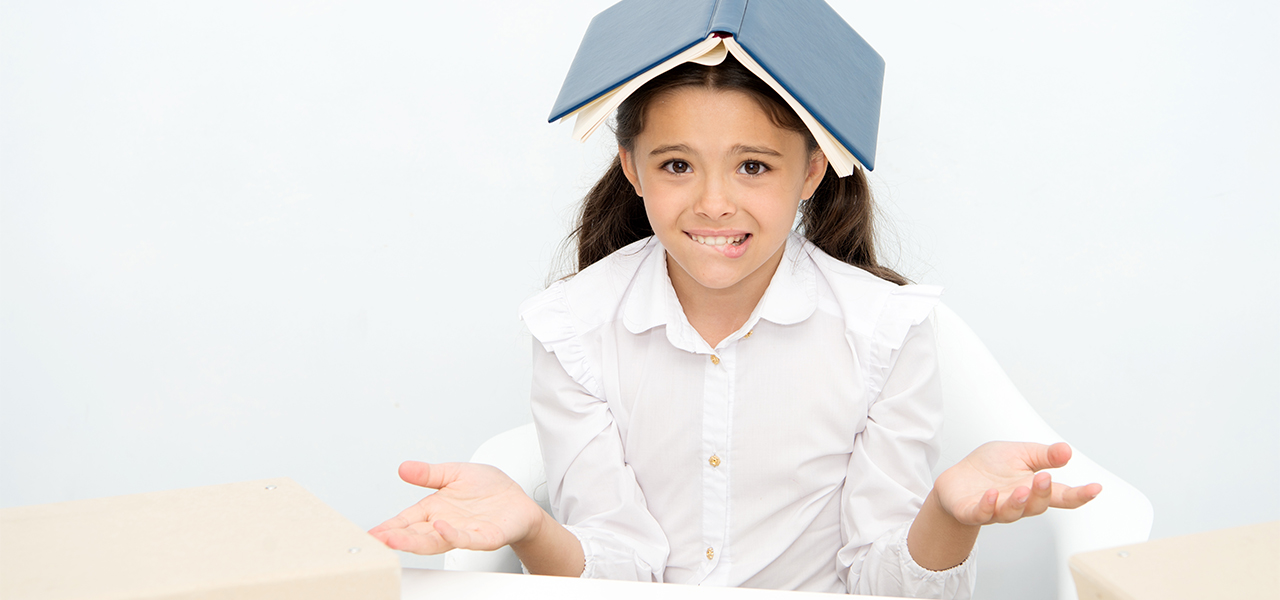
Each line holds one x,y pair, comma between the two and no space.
721,400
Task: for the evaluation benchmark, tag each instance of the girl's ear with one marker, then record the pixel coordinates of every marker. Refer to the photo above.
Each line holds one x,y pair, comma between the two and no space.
813,177
629,169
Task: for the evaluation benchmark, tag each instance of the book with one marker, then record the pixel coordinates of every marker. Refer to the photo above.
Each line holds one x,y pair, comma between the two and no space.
267,539
803,49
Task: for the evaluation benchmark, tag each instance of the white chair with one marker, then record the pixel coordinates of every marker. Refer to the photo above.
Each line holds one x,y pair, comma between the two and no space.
981,405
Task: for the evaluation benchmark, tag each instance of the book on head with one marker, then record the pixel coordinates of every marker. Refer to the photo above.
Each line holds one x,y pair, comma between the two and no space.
802,49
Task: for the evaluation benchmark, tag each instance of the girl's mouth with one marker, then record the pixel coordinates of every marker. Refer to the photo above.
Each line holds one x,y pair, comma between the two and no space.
730,246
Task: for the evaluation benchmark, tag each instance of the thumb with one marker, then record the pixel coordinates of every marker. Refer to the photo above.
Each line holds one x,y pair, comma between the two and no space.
1041,457
428,475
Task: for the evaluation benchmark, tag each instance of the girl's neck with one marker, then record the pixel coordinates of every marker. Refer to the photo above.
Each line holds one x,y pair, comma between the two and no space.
716,313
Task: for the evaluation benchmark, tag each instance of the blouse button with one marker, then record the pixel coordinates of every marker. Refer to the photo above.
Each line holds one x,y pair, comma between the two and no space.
748,334
711,553
714,460
715,360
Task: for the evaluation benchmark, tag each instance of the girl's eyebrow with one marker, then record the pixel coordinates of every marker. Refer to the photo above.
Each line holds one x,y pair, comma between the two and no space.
670,148
742,149
738,149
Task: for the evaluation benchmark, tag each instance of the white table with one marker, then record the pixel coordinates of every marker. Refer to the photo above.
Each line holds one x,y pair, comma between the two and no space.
423,584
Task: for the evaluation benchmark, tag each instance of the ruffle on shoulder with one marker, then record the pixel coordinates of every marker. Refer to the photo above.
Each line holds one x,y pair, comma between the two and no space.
560,315
548,317
878,314
905,307
552,323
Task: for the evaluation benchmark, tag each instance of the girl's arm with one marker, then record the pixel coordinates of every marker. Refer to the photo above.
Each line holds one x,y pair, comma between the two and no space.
589,484
907,534
477,507
888,484
999,482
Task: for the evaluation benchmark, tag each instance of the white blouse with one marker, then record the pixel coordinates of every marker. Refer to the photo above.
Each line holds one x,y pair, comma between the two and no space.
793,455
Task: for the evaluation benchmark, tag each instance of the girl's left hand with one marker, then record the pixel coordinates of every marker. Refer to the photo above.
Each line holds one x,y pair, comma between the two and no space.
476,507
1000,482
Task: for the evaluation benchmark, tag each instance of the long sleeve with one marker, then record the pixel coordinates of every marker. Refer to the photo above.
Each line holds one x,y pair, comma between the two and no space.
593,491
889,477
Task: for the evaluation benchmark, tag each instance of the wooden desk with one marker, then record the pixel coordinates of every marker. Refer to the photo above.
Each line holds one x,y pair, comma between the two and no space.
421,584
1243,562
254,540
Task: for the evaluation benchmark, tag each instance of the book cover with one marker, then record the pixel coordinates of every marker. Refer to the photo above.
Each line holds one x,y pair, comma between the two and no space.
801,48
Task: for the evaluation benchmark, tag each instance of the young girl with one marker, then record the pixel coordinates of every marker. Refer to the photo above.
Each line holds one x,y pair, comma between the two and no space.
723,401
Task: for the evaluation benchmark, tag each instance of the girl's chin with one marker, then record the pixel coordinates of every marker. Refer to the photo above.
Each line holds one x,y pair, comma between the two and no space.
709,277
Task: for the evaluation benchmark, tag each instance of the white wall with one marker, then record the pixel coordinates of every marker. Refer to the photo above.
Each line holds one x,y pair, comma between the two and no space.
250,239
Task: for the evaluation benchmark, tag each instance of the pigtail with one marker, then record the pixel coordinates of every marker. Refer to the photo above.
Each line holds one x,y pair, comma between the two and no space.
839,217
612,216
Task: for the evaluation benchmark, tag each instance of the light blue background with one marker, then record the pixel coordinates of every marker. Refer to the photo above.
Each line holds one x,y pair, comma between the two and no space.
250,239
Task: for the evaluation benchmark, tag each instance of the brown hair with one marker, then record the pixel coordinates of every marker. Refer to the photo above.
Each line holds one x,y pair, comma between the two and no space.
837,218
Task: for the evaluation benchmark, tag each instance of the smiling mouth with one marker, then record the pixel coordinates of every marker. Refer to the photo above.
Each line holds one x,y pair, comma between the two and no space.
736,240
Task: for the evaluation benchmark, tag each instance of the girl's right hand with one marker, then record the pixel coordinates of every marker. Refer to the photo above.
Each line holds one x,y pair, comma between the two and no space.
476,507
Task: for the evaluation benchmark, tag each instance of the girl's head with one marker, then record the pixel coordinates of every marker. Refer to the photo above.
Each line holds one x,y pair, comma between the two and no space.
712,151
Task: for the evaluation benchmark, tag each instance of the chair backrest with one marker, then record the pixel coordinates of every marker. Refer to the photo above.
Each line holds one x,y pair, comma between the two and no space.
982,404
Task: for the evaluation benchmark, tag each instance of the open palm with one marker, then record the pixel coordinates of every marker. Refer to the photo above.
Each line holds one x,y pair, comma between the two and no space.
1001,482
476,507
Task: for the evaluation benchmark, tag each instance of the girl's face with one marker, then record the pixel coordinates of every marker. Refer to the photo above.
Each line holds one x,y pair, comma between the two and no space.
721,184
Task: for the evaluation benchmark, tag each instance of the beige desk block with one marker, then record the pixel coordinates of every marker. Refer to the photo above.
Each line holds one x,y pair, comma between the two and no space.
252,540
1242,562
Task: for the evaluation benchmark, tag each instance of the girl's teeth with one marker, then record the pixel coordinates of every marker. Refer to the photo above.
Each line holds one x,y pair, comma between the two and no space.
718,240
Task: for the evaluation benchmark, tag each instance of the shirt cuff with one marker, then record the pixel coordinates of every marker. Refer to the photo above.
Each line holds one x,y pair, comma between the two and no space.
588,552
923,574
889,570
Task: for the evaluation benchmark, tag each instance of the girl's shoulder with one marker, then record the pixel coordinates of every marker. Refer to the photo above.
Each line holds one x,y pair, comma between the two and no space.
870,306
588,299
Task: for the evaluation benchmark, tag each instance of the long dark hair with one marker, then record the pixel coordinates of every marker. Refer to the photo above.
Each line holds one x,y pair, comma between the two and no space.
838,218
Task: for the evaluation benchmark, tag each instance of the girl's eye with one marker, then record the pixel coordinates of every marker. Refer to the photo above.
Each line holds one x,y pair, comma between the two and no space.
677,166
752,167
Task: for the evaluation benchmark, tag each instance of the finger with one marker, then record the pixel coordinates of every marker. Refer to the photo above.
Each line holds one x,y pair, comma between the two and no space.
385,525
428,475
450,534
1041,495
399,521
419,538
1074,497
1014,504
417,513
470,539
982,512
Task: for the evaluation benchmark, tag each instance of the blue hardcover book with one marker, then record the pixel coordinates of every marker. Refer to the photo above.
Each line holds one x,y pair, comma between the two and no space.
824,70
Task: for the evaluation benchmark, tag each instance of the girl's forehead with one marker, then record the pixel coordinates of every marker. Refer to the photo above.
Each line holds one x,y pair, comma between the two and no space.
700,94
711,112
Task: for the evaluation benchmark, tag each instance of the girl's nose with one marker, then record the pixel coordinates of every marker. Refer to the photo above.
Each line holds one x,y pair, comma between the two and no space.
716,200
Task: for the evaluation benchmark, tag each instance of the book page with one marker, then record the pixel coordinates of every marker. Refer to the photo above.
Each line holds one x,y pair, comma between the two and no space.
708,52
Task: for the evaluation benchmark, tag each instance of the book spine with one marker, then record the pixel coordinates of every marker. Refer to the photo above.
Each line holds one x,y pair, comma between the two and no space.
726,17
